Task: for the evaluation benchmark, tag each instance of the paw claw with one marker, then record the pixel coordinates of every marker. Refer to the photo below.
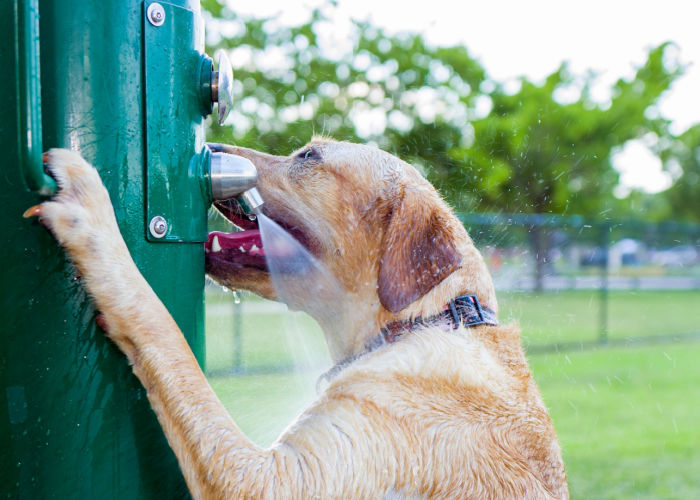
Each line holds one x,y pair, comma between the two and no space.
34,211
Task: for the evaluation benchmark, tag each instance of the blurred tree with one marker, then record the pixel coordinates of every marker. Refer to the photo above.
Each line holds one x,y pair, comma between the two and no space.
682,158
545,148
358,85
543,151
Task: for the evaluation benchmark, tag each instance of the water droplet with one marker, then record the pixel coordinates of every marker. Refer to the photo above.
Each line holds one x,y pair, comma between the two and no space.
236,297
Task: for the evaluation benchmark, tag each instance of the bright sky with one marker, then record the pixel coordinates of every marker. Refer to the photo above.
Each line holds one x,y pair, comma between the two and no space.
531,38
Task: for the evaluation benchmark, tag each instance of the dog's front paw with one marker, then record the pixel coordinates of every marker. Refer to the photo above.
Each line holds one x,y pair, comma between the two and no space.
80,216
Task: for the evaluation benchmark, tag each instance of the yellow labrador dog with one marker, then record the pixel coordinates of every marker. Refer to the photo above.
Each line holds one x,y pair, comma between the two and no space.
430,398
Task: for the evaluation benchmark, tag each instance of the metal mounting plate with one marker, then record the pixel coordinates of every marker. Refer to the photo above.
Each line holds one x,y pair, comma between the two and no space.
172,78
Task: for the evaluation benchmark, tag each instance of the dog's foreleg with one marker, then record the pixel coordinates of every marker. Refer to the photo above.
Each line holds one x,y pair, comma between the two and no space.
214,455
317,460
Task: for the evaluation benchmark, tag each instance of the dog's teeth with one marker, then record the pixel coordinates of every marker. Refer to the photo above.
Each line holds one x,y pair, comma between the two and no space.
254,248
241,249
215,246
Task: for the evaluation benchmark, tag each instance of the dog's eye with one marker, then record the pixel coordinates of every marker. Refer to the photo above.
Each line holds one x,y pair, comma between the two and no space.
309,154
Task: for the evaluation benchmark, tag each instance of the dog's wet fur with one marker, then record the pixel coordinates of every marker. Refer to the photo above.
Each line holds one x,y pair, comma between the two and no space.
437,414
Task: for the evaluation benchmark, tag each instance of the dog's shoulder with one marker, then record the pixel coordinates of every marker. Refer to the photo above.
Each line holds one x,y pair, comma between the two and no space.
461,374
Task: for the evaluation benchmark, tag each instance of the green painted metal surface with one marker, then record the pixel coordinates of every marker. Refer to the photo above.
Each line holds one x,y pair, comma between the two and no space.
74,421
173,67
25,46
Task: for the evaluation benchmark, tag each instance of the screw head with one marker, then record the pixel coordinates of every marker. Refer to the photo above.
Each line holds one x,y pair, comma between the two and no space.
155,14
158,226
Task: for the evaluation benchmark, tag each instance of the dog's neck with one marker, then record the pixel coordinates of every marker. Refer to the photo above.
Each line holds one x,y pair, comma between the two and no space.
465,310
350,324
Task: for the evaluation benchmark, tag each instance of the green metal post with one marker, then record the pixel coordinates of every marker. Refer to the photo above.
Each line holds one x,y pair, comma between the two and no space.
74,421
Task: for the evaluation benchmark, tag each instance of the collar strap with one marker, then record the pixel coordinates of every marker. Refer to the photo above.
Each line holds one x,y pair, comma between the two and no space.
463,310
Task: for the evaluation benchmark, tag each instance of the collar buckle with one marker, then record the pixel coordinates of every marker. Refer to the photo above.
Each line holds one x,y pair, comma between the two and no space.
473,314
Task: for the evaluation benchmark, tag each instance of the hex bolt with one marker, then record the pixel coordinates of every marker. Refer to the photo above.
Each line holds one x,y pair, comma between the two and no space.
156,14
158,226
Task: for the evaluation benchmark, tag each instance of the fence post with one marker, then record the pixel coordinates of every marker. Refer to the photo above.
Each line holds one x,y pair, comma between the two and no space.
237,330
603,291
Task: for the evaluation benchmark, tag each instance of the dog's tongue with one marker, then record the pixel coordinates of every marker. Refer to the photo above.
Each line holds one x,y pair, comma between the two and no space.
248,242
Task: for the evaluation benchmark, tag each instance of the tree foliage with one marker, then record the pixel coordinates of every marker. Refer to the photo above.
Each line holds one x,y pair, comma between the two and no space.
542,154
683,159
544,148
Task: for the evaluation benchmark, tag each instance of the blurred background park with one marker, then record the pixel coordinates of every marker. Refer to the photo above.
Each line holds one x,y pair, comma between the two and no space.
567,138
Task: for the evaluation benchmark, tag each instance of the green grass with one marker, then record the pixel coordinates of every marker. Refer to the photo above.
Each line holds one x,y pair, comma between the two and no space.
269,340
263,405
275,338
628,418
574,316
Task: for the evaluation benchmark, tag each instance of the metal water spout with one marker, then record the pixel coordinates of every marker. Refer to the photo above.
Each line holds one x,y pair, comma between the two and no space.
233,176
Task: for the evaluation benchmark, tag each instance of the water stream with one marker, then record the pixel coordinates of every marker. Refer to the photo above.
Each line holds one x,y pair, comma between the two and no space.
282,350
300,280
302,283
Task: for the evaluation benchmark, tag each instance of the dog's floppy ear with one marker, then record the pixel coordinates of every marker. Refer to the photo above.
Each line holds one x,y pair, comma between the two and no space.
418,249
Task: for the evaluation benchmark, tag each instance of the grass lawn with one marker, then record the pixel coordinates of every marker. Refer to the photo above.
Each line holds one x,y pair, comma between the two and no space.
573,316
271,337
628,418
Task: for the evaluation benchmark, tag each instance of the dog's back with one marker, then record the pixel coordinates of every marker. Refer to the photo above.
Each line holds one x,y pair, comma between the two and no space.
457,412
